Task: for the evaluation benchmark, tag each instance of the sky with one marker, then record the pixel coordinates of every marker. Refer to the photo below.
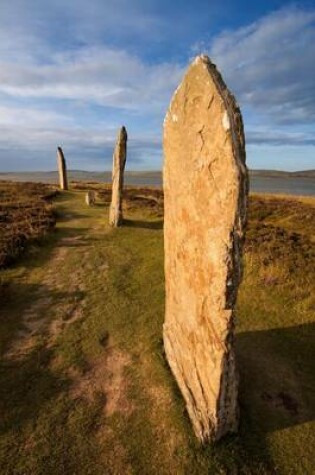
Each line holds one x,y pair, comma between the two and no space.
73,72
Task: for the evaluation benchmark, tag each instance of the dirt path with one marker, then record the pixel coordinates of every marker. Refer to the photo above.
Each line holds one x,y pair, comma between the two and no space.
56,318
53,310
46,317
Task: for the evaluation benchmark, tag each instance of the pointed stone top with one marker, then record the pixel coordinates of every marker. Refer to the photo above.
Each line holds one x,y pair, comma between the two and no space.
202,82
204,63
122,135
202,58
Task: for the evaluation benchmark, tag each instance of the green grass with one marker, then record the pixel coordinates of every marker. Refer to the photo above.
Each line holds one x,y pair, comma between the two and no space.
116,277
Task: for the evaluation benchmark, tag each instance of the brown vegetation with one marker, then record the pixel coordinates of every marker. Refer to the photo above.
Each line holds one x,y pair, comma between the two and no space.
134,197
25,213
281,230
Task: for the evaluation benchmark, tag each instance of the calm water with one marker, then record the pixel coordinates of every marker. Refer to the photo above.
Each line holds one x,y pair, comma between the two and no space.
289,186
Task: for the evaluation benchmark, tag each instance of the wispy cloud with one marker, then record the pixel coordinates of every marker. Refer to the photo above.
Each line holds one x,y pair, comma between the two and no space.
67,24
99,74
21,116
265,136
72,72
90,149
270,64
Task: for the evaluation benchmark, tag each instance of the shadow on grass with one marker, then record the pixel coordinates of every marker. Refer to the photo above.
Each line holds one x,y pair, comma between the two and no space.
133,223
40,251
64,217
27,383
103,204
17,299
25,388
63,196
277,370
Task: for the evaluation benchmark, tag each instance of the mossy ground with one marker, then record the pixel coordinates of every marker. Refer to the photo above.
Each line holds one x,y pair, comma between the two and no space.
52,404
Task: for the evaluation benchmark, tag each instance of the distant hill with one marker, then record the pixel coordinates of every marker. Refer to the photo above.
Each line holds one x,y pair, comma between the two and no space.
279,173
285,182
133,177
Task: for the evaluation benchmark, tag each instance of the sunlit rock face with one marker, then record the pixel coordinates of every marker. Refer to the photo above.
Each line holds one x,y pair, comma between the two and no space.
205,188
119,162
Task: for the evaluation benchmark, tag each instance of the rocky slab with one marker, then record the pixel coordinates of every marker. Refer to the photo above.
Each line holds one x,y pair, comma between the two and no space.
205,188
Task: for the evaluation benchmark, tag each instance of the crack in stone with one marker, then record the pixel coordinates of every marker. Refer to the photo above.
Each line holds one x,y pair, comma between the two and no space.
215,184
210,102
202,139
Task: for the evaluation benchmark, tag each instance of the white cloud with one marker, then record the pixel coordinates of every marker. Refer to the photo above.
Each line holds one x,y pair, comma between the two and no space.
94,74
267,136
270,64
21,116
60,77
66,22
48,135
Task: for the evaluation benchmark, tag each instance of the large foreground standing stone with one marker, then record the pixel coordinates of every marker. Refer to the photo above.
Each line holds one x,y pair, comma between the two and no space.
119,161
205,187
62,169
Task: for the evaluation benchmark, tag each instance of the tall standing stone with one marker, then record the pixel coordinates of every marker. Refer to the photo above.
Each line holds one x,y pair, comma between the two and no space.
119,161
205,188
62,169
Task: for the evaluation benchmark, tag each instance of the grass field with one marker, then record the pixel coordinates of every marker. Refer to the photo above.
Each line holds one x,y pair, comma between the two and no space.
84,385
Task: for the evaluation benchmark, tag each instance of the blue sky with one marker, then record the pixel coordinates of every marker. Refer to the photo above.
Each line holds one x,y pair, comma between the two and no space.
72,72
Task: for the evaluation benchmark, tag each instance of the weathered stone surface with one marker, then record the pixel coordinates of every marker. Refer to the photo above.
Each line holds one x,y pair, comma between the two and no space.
62,169
90,198
205,190
119,161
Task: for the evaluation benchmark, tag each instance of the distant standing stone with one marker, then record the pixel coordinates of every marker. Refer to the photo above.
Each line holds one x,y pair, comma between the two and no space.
119,161
205,192
62,169
90,198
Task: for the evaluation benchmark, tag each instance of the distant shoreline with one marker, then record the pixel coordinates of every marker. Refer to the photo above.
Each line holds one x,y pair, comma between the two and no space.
261,181
151,173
